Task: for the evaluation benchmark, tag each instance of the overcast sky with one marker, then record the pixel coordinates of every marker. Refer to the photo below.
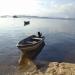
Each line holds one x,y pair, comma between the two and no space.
55,8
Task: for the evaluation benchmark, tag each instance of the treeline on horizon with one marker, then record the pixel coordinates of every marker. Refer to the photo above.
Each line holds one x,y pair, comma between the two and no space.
24,16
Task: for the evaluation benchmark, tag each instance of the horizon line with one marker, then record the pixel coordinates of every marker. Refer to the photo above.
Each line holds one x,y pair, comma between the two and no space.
33,16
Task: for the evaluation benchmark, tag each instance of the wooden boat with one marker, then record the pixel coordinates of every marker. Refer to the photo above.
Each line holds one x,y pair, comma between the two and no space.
26,22
32,43
32,54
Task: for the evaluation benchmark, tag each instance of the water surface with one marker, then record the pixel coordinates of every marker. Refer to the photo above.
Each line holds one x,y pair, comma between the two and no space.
59,39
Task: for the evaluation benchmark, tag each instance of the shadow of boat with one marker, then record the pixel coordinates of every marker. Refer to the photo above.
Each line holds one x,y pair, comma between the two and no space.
34,53
27,57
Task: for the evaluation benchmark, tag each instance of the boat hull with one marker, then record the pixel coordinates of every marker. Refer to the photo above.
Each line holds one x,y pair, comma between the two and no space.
32,51
30,48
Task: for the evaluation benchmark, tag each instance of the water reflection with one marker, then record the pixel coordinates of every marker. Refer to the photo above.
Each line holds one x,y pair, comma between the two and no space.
26,60
59,48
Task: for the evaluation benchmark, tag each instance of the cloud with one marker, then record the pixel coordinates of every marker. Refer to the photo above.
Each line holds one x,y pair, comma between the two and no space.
57,9
24,7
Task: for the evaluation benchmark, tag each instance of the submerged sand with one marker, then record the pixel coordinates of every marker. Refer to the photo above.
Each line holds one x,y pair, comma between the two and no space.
53,68
26,66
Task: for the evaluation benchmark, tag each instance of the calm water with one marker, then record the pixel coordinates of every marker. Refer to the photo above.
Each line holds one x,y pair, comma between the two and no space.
59,39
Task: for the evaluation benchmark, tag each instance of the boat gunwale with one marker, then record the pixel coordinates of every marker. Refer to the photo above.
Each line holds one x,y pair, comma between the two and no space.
27,45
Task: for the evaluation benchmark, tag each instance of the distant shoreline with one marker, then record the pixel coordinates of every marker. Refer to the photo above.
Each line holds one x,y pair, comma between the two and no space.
39,17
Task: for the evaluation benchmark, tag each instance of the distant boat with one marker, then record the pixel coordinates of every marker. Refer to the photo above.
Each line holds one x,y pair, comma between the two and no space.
26,22
31,46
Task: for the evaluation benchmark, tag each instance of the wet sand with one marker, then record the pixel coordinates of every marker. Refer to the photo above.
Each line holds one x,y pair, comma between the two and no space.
50,68
53,68
25,66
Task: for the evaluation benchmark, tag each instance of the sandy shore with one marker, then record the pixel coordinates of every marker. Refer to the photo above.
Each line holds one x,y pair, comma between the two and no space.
26,66
53,68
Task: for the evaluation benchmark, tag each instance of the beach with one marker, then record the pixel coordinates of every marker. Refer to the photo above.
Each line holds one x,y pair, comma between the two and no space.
52,68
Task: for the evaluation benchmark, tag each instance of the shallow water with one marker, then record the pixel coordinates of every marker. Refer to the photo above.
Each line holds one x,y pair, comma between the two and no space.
59,40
